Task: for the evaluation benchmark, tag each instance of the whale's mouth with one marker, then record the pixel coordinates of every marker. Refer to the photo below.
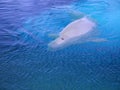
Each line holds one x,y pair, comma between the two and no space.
55,44
58,43
52,45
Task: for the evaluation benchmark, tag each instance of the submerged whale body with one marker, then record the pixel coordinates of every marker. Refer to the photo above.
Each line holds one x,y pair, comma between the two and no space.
77,31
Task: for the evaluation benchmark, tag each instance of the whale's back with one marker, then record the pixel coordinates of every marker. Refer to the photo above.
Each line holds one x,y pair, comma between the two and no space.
78,27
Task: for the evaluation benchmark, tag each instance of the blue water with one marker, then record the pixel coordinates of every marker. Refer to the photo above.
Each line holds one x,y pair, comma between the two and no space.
26,63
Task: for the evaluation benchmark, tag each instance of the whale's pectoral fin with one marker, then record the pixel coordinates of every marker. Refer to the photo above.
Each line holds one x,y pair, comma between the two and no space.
53,35
98,40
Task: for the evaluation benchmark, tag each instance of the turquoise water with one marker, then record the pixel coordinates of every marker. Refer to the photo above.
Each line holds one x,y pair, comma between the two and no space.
26,63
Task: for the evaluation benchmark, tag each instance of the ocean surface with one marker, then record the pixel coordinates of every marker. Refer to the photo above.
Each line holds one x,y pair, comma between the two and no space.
26,63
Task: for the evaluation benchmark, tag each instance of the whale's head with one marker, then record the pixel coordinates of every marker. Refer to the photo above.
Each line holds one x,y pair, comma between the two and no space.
60,42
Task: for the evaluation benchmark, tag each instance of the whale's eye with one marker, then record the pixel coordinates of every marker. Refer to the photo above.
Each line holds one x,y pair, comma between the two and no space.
62,38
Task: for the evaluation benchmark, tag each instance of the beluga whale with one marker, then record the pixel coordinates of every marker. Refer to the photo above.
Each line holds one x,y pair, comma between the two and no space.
79,31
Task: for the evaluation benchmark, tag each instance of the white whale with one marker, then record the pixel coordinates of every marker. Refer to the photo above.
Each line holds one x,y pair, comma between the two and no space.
78,31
